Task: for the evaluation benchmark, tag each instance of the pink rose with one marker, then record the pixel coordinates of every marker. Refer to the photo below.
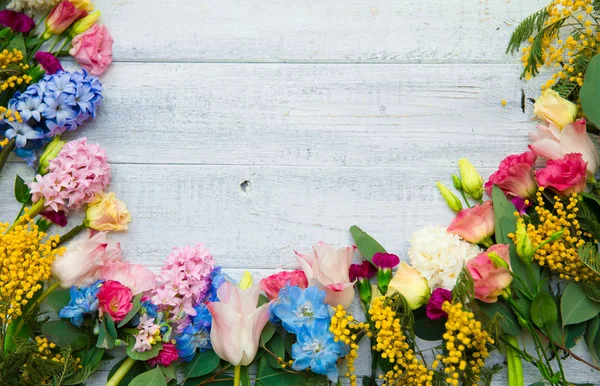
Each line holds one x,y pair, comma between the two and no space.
476,224
328,269
115,299
61,17
272,284
490,280
136,277
166,356
93,49
551,143
48,62
515,176
566,175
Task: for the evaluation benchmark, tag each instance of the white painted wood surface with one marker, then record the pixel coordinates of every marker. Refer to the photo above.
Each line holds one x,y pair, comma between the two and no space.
262,126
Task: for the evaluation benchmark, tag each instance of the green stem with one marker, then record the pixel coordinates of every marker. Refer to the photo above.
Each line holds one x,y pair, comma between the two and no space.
120,373
67,42
70,234
236,375
560,366
515,367
5,152
58,39
464,196
36,209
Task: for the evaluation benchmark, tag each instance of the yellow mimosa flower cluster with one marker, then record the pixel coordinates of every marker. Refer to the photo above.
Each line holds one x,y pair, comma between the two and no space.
11,64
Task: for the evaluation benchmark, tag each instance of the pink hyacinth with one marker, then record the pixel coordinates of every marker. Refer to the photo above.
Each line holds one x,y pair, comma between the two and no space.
146,330
77,174
184,279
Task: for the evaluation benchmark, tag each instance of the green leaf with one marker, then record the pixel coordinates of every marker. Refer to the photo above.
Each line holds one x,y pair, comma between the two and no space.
137,368
262,300
142,356
591,331
426,328
43,224
202,364
590,91
268,376
105,340
21,190
137,304
365,243
244,376
169,371
110,325
267,333
153,377
573,334
576,306
58,299
277,347
508,320
19,43
543,310
90,361
64,334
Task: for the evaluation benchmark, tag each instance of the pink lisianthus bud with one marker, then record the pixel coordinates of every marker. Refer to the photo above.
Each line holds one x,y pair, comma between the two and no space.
566,175
515,176
433,310
166,356
328,268
385,260
61,17
272,284
551,143
92,49
490,279
115,299
364,270
48,62
475,225
16,21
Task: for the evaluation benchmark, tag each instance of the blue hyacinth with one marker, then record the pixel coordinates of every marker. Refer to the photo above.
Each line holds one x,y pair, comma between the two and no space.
57,103
83,301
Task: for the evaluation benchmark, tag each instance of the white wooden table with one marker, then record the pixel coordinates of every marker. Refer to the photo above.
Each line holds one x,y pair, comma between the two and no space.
263,126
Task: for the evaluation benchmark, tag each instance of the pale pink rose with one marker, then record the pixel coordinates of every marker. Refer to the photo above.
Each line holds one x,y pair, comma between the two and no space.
490,281
328,268
136,277
93,49
566,175
115,299
237,323
476,224
85,256
272,284
515,176
551,143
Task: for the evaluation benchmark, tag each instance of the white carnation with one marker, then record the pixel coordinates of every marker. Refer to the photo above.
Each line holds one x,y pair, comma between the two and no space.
27,5
439,255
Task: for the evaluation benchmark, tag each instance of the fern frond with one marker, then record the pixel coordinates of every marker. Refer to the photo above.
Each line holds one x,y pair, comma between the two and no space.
463,291
526,28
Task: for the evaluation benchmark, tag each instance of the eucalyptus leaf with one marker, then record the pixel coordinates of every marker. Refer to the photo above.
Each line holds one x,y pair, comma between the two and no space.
589,95
58,299
153,377
64,334
573,334
19,43
267,333
169,371
576,306
591,332
508,320
268,376
137,304
367,245
105,340
543,310
277,347
203,363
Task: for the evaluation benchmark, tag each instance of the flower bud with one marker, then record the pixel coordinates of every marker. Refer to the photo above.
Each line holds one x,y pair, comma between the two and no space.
84,5
412,285
451,199
497,261
246,281
472,182
107,213
553,108
384,276
457,182
364,290
82,25
523,243
51,151
61,17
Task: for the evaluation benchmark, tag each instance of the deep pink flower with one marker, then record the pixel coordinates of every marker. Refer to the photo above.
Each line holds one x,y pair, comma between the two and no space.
166,356
16,21
520,204
476,224
115,299
136,277
364,270
566,175
385,260
93,49
515,176
434,306
59,218
48,62
490,280
272,284
61,17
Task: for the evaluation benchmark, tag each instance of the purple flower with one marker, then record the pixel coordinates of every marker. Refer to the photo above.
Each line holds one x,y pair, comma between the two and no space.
16,21
385,260
520,204
48,62
434,306
365,270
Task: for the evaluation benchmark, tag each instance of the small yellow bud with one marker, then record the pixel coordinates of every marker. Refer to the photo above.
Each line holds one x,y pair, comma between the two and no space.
472,182
450,198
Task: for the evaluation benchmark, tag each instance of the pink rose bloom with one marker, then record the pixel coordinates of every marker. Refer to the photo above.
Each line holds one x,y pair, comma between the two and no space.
48,62
551,143
515,176
566,175
490,281
115,299
166,356
136,277
84,258
433,310
475,225
93,49
328,269
61,17
272,284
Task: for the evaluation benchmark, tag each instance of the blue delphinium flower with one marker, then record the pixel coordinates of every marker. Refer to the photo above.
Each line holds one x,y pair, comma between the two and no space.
217,278
83,301
196,335
297,307
316,348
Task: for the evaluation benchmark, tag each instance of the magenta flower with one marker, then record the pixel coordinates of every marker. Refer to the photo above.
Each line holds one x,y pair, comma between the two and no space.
520,204
434,306
385,260
16,21
364,270
166,356
272,284
115,299
515,176
567,175
48,62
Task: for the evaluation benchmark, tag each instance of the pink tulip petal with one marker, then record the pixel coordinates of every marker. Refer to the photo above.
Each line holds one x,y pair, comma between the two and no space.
547,148
253,327
226,333
575,139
